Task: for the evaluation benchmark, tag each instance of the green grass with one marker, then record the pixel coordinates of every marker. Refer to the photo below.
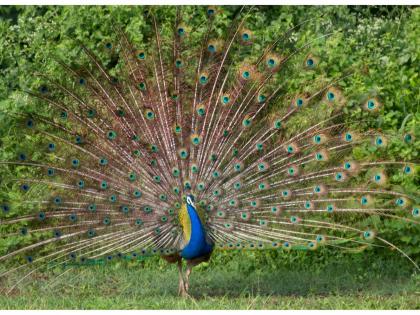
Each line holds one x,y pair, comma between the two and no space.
389,284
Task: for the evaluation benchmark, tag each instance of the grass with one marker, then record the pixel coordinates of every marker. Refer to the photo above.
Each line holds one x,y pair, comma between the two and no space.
336,285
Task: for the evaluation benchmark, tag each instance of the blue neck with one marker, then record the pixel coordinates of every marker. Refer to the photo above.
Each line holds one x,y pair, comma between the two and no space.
197,245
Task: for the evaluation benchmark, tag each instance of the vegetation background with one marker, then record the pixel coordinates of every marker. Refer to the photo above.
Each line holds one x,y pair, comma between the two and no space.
380,44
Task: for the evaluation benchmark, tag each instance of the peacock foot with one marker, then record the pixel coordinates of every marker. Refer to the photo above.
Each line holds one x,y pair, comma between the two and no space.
181,288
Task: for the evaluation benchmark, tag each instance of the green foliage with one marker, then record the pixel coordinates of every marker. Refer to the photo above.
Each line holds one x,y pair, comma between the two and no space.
377,45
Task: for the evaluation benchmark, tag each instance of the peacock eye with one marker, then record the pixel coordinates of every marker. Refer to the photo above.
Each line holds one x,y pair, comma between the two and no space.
225,99
261,98
30,123
43,89
246,74
408,138
348,137
181,31
111,135
203,79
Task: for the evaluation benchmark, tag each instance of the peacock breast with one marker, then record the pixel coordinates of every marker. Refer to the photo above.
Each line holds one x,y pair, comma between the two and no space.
194,234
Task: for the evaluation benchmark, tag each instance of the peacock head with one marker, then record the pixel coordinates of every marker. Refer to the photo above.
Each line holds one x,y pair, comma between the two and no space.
190,201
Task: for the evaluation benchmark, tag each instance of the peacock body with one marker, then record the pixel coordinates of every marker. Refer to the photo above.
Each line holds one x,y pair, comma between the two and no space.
189,144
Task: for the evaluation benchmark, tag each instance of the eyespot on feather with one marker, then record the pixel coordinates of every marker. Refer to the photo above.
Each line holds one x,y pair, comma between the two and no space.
203,78
182,30
273,62
299,101
286,194
351,167
320,138
409,138
366,200
379,177
291,148
245,36
311,62
372,104
320,190
214,46
276,210
293,170
379,141
322,155
333,95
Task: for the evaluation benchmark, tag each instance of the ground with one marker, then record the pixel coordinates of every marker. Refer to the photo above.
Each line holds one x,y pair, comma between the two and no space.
122,285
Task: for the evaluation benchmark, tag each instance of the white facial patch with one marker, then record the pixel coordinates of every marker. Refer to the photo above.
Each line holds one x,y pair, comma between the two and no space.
190,202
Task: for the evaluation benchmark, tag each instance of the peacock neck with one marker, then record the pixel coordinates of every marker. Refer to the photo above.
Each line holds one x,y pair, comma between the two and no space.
196,240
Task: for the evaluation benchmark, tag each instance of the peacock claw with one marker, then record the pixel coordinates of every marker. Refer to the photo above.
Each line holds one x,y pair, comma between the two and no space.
184,294
183,291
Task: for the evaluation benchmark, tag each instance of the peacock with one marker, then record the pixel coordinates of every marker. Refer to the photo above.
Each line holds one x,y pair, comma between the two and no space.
180,144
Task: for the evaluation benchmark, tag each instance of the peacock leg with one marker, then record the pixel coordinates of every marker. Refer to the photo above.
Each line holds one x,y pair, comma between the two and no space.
181,283
187,277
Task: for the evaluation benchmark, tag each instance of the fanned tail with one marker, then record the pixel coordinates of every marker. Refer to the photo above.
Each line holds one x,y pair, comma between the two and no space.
105,164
